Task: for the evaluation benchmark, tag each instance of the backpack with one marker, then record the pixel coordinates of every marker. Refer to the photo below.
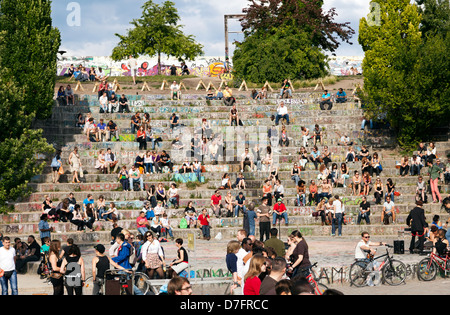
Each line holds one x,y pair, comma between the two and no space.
183,223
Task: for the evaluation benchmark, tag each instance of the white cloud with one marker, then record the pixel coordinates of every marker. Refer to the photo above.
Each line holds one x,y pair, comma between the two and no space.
204,19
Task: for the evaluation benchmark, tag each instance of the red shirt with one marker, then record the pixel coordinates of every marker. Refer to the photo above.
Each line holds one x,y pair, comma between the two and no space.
216,199
279,207
203,220
252,286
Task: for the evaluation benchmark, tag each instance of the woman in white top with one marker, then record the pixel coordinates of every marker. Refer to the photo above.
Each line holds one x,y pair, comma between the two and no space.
431,151
174,197
153,256
148,162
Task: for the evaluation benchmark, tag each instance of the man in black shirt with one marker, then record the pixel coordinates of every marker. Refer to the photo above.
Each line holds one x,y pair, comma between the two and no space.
111,129
416,220
123,104
364,211
165,161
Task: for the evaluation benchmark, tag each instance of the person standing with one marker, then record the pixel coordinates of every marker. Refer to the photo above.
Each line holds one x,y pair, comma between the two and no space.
435,173
416,220
275,243
338,216
74,271
252,282
263,214
8,265
133,66
44,228
100,264
300,256
56,276
276,274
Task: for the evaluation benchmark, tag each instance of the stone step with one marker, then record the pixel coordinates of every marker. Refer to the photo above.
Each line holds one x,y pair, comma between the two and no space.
35,200
253,187
103,234
26,223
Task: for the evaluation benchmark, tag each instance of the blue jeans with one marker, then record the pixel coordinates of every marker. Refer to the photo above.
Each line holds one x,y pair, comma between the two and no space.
284,215
206,230
338,219
303,198
12,282
236,210
142,230
141,182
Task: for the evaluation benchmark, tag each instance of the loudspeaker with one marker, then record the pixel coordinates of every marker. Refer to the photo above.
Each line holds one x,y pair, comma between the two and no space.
399,247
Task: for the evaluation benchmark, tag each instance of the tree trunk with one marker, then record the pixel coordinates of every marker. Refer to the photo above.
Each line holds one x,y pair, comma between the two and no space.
159,63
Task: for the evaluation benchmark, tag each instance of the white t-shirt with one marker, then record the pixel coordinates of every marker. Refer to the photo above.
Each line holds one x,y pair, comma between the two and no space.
338,205
282,110
359,253
240,262
7,258
388,206
132,63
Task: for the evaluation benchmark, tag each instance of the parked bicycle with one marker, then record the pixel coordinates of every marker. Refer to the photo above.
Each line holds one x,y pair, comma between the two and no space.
428,267
393,271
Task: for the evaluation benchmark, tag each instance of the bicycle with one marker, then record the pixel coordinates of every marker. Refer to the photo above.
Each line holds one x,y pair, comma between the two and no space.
313,279
428,267
140,281
393,271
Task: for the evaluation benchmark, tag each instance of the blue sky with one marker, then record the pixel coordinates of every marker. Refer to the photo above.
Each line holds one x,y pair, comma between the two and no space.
101,19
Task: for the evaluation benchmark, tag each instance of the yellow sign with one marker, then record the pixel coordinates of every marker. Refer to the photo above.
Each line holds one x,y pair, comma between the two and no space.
191,241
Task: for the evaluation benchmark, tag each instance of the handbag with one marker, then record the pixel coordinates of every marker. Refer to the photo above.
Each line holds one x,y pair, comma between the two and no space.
61,170
2,272
56,275
81,172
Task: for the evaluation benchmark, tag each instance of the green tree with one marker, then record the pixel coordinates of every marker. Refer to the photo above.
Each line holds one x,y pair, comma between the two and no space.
28,48
403,77
278,54
287,39
157,32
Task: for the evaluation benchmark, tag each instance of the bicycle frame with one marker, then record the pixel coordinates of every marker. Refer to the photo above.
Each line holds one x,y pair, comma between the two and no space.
438,260
311,280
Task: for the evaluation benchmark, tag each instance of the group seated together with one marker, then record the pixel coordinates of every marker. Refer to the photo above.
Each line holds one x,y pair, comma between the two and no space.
208,147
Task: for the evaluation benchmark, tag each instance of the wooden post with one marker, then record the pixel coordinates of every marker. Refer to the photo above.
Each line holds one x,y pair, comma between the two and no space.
79,86
320,83
267,85
242,85
182,86
95,87
116,85
145,86
292,86
210,86
200,84
222,82
163,85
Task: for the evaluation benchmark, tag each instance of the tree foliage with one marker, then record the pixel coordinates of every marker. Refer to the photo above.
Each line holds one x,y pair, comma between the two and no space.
283,53
287,39
157,32
28,48
403,73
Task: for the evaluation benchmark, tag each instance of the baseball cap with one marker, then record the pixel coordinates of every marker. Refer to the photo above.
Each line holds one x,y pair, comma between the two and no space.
100,248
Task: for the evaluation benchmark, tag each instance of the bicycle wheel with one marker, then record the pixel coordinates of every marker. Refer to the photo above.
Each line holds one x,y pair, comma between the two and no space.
358,273
426,270
320,288
141,281
394,273
88,286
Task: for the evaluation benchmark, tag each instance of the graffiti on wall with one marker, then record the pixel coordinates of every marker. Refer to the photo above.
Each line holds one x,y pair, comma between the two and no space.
203,66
